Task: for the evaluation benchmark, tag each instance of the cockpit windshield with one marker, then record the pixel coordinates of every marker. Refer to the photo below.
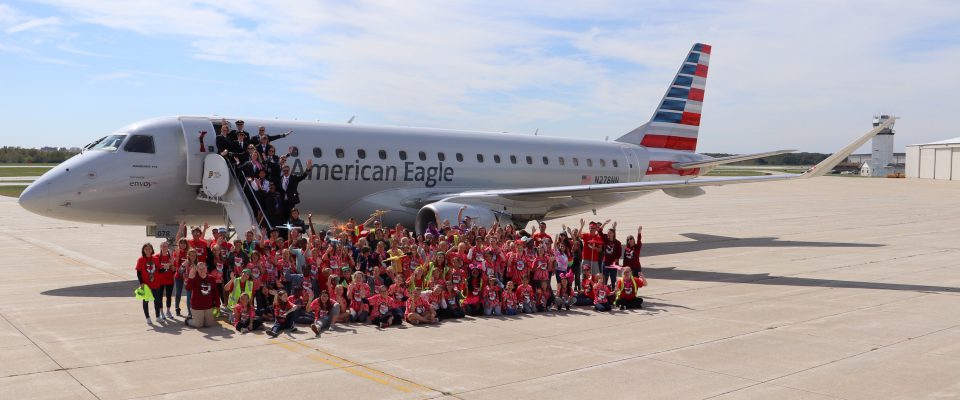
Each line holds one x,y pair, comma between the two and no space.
108,143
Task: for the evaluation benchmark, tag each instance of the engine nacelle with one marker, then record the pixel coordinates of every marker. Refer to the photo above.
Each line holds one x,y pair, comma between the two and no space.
685,192
441,211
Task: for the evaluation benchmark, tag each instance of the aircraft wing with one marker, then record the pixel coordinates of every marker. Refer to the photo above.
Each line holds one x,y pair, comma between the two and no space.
557,198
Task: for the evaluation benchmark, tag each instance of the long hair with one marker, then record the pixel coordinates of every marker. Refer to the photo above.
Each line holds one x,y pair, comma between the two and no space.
143,250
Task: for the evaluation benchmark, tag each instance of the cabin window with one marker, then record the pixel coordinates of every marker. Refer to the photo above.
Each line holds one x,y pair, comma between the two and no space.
441,156
317,152
603,163
294,151
576,162
460,157
513,159
562,162
139,144
403,155
479,157
361,153
340,153
615,164
546,161
422,155
529,160
383,154
496,158
589,162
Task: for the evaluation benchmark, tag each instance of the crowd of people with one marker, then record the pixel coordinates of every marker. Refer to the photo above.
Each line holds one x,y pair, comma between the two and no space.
364,272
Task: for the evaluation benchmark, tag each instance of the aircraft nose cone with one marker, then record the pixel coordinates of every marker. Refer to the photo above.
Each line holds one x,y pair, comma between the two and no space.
35,198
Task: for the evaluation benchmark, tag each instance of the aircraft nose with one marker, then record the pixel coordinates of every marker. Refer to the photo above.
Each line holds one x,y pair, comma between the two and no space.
35,198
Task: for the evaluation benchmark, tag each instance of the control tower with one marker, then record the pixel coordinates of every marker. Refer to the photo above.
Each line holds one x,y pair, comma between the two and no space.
881,158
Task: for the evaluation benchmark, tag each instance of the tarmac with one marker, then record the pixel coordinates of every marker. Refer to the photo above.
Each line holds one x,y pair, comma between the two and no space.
819,289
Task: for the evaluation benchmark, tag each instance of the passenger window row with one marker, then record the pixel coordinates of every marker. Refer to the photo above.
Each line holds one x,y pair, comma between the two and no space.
423,156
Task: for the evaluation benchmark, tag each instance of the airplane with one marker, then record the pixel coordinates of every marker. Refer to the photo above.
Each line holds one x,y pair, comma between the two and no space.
158,172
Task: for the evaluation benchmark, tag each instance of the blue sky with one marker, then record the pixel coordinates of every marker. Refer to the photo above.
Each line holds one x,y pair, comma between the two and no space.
807,75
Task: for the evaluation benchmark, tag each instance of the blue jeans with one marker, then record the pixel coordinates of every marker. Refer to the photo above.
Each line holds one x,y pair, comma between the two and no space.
178,288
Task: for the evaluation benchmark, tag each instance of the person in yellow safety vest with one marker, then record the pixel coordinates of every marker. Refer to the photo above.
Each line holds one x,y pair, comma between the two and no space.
627,287
238,286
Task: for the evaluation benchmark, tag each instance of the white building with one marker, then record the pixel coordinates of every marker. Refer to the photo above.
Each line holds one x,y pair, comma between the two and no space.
881,158
936,160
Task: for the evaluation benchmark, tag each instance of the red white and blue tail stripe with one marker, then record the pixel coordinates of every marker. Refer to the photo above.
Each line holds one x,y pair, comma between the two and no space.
676,122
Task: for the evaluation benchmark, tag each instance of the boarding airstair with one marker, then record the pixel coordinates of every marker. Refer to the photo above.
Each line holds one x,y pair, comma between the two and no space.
225,186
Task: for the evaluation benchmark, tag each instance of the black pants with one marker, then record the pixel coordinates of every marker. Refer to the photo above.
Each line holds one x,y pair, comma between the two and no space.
168,291
257,323
156,303
635,302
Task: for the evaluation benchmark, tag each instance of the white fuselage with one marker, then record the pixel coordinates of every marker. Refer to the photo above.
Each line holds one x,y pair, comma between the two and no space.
357,170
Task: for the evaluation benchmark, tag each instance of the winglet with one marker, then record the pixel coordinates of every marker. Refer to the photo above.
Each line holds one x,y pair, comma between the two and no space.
827,164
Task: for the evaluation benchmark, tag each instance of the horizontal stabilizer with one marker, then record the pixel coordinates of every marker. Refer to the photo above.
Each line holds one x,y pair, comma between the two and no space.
712,162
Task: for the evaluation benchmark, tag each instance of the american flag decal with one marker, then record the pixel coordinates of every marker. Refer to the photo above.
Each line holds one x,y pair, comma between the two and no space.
586,179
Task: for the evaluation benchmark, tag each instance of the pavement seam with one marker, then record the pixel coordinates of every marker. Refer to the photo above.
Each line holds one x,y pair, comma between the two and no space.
60,367
880,348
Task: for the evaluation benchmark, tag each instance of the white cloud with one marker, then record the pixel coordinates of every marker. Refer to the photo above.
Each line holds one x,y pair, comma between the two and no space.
33,23
783,74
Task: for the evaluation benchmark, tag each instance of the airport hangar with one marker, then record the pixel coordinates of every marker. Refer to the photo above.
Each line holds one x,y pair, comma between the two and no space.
934,160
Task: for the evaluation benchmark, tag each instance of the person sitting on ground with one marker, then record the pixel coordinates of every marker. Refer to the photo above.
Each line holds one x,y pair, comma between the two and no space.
325,311
526,297
245,317
585,295
285,311
544,296
204,297
601,294
509,299
419,310
627,287
565,296
382,313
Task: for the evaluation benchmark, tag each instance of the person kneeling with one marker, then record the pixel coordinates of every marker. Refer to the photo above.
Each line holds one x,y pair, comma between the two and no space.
204,297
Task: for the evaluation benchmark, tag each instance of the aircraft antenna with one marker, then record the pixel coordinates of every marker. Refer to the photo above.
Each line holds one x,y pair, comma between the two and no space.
350,121
536,132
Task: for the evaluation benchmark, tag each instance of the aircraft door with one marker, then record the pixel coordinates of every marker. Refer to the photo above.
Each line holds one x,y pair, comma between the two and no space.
633,164
196,147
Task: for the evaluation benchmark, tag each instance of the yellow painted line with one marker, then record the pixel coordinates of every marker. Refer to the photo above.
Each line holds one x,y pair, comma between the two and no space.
352,367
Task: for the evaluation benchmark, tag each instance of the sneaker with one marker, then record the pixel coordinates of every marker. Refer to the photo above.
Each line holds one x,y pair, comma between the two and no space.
161,319
295,330
149,321
178,312
315,329
568,307
244,330
272,333
186,321
169,315
384,325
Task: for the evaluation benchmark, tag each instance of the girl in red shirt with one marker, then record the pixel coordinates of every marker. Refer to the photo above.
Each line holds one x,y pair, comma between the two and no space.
473,304
357,292
565,297
631,252
627,287
541,267
245,318
544,296
491,298
601,293
585,297
325,311
180,272
526,297
148,273
418,310
167,271
509,300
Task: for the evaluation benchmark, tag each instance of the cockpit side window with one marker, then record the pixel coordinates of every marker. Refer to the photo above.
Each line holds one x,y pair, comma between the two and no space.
139,144
109,143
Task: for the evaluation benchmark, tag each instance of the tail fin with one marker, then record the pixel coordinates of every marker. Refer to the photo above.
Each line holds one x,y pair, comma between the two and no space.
676,122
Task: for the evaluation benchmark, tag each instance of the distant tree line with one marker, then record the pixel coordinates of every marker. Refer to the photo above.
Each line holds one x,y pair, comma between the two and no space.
10,154
782,159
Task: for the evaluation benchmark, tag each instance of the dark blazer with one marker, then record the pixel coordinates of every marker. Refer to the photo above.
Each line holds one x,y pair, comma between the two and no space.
292,194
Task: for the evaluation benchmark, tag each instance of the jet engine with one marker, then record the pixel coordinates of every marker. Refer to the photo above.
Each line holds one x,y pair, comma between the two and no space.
442,211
